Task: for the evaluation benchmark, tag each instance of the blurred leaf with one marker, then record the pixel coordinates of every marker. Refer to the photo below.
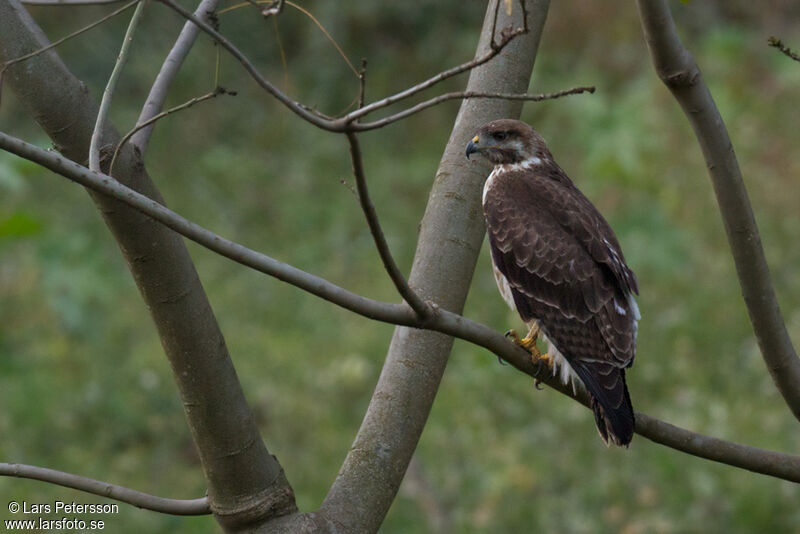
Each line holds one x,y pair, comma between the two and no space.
19,224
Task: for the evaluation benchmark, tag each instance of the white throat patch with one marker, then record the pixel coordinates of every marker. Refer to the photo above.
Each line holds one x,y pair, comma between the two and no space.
509,167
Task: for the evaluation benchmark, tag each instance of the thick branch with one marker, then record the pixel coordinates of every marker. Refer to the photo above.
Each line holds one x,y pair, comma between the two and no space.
111,491
451,228
417,304
679,72
771,463
172,64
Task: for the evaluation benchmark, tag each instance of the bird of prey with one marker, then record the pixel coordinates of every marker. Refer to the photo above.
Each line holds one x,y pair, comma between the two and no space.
559,264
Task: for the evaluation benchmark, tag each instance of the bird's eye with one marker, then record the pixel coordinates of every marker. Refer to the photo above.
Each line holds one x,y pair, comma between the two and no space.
500,136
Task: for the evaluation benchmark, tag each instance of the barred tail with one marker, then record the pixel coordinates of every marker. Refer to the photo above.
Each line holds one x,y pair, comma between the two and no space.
610,401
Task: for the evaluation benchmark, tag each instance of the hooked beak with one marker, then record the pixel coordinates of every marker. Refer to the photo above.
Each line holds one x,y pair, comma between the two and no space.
472,146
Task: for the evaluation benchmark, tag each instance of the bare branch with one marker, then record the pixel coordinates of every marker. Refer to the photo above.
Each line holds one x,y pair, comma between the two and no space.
679,72
422,310
777,43
105,103
762,461
390,313
213,94
465,95
765,462
111,491
172,64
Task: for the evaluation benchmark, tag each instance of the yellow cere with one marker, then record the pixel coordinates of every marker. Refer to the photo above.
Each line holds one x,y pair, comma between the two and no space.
475,139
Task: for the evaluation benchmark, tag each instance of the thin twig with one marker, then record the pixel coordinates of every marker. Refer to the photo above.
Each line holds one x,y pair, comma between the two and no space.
213,94
422,310
466,95
524,10
433,80
362,79
300,110
777,43
304,11
776,464
343,123
282,52
111,491
57,42
678,70
494,23
330,38
169,69
105,102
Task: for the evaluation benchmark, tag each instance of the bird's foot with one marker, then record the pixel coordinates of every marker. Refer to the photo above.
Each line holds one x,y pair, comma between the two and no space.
529,343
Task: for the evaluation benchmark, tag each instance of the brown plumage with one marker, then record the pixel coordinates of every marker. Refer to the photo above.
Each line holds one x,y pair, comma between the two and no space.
561,265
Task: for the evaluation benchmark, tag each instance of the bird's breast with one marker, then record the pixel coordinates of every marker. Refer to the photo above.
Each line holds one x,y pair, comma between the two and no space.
490,181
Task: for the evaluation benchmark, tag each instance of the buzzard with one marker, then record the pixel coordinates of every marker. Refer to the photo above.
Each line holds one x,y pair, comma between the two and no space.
559,264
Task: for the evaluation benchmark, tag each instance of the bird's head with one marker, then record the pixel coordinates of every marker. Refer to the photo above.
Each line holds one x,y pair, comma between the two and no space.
507,141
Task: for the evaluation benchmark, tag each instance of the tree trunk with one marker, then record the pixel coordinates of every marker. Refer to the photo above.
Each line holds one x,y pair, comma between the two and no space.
450,239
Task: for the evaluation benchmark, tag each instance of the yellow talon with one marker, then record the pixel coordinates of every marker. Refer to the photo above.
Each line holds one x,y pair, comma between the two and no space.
529,344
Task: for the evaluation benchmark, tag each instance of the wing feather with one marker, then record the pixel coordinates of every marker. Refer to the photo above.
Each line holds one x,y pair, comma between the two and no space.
563,264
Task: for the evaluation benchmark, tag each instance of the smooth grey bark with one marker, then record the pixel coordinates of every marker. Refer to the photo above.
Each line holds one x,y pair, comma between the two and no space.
172,64
450,238
244,480
678,70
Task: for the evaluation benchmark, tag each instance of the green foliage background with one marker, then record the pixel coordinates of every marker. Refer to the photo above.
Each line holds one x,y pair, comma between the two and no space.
84,386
